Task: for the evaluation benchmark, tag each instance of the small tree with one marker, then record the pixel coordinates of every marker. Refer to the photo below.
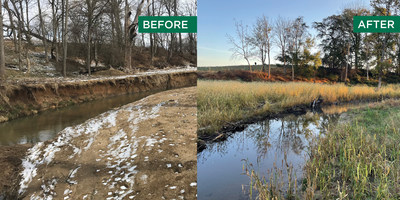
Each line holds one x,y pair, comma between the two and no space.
297,36
280,32
241,43
309,62
261,41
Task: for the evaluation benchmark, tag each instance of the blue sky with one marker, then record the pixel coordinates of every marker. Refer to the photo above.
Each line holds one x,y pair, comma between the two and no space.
216,20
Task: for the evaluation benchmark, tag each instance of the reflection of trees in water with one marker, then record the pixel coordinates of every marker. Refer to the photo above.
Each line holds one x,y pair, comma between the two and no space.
289,134
261,137
292,133
328,121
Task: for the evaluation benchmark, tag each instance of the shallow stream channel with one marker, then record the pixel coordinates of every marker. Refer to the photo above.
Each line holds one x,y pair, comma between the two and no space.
47,124
264,145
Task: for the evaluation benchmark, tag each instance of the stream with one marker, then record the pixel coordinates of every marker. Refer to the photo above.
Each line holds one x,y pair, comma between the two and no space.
263,144
47,124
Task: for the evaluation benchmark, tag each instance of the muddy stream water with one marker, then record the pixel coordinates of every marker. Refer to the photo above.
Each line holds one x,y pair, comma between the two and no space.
47,124
263,145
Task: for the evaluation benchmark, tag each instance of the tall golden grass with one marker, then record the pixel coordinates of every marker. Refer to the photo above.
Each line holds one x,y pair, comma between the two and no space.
221,102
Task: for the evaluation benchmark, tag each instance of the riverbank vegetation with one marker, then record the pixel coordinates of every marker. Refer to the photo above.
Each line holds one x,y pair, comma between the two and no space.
354,160
354,55
222,102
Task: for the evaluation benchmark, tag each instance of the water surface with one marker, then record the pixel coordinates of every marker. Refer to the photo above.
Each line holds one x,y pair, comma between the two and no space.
263,144
47,124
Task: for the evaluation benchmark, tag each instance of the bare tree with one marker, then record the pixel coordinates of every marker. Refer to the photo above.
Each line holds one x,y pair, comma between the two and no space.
43,31
128,47
55,26
20,27
297,36
281,29
12,26
134,25
241,44
95,8
261,41
2,62
64,37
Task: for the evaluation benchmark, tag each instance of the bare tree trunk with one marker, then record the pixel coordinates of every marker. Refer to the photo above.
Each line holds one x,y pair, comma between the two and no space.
12,25
382,59
248,62
28,36
284,62
347,65
269,65
19,33
19,46
88,45
292,72
2,57
54,45
127,45
96,58
151,35
65,42
43,31
28,61
89,37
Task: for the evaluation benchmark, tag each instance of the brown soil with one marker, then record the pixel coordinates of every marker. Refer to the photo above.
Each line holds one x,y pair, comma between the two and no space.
144,150
30,96
10,165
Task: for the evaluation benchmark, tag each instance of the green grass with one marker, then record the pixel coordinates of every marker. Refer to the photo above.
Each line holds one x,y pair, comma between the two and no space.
359,159
222,102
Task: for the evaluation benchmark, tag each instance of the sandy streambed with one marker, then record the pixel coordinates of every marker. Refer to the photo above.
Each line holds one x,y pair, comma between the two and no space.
143,150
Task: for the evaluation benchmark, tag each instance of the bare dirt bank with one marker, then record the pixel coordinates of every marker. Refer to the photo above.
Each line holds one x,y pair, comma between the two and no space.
10,165
31,96
143,150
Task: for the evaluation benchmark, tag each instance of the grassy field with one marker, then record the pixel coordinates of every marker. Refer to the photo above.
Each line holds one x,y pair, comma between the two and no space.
359,159
221,102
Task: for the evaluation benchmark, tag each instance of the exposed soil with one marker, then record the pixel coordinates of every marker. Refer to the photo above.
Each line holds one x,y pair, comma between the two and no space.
33,95
143,150
10,165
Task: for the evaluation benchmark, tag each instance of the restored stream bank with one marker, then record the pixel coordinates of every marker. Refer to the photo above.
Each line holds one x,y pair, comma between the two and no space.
264,144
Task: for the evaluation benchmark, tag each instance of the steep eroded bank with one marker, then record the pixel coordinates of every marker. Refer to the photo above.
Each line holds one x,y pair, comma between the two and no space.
19,99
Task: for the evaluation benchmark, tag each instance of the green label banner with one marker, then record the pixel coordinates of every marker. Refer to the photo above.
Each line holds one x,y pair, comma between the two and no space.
165,24
376,24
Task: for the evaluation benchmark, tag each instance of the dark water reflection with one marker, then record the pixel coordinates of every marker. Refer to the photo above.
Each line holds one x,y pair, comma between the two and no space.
220,166
46,125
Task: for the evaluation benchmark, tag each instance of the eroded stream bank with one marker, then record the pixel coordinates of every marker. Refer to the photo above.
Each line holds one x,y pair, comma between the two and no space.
33,96
18,100
145,149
